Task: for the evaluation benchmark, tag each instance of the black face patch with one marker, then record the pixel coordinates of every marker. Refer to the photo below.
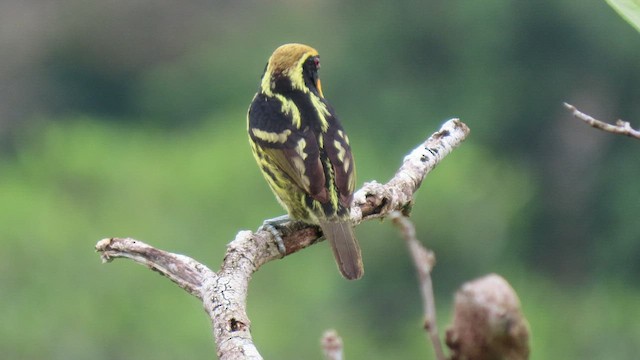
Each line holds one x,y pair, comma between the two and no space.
310,72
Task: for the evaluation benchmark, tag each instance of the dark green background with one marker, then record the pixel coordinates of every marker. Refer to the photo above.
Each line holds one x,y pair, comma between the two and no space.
125,118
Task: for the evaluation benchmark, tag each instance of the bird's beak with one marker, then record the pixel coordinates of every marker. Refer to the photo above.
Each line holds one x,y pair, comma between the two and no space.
319,87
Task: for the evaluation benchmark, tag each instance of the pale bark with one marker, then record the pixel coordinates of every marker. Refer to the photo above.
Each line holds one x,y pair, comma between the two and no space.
224,292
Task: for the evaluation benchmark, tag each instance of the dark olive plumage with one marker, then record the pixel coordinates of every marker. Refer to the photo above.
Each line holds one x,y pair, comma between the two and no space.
303,151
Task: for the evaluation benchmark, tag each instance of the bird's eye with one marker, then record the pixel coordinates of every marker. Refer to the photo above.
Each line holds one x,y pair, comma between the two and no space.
316,62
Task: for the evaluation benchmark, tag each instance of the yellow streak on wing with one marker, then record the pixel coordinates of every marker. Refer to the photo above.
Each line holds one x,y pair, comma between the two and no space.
341,150
299,164
351,181
346,163
322,111
272,137
333,196
289,107
302,143
344,136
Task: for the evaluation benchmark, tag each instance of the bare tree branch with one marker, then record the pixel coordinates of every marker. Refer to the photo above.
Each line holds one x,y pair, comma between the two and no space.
621,127
424,261
224,292
488,323
331,345
182,270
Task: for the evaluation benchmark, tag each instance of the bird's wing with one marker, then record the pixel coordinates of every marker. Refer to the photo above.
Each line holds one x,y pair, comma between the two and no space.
293,151
336,144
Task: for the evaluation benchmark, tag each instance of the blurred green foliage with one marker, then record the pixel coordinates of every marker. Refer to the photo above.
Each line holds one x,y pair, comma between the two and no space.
629,10
128,119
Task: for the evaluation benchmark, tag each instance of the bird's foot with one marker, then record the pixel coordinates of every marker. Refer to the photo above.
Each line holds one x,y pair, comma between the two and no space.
272,225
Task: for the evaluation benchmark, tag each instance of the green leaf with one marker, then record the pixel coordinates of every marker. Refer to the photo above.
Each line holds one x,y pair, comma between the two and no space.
629,10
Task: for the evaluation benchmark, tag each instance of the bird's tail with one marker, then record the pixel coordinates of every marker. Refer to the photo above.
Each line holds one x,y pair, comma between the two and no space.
345,248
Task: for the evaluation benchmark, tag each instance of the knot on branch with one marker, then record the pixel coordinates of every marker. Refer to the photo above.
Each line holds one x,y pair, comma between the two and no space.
235,325
488,323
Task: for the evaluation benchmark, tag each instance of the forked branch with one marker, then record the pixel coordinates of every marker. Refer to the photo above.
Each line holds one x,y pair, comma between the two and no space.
224,293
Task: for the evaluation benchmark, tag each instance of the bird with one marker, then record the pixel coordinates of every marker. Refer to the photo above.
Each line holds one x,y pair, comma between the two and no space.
304,152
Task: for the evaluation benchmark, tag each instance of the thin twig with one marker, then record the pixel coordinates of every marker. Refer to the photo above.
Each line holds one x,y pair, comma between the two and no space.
621,127
331,345
424,260
224,293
